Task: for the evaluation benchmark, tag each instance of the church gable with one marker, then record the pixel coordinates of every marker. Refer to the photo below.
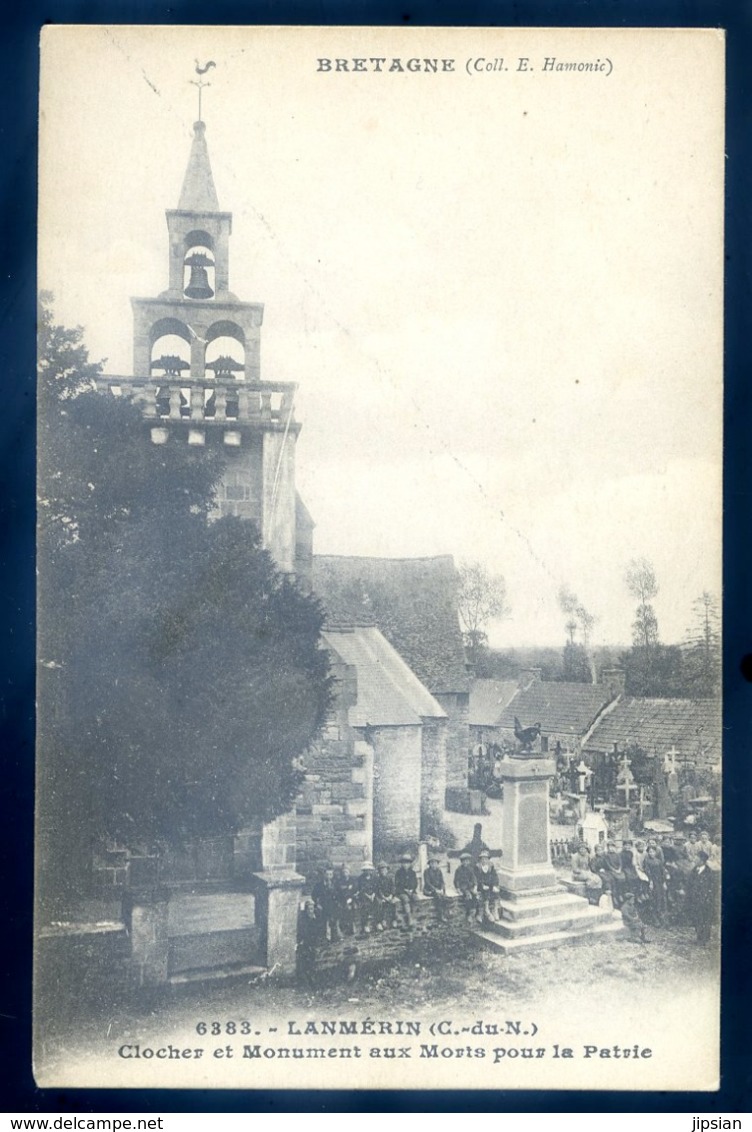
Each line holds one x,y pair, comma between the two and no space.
411,600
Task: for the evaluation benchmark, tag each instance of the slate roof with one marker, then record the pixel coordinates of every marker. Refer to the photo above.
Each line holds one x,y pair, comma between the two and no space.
488,698
389,693
560,707
413,603
692,726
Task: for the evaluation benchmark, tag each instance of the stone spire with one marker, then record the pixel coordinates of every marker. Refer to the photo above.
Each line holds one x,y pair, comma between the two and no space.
198,193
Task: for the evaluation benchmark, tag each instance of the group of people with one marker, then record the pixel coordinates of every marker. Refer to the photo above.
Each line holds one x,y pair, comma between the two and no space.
376,900
478,887
379,899
654,880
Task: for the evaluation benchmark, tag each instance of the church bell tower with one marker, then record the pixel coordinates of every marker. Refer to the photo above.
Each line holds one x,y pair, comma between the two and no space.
197,372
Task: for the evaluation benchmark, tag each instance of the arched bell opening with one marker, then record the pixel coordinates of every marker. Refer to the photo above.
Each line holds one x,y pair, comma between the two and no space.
225,352
199,268
170,359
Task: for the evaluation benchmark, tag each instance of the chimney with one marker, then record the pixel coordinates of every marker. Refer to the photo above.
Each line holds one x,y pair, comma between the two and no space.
613,680
529,676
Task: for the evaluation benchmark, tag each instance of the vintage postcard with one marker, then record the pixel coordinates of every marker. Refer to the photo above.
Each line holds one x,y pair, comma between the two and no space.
380,391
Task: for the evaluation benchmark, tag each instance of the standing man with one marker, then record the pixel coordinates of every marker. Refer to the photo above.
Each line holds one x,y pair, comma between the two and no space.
325,898
406,888
703,897
309,938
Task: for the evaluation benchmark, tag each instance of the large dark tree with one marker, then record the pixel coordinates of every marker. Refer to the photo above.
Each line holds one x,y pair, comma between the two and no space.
576,664
656,672
180,672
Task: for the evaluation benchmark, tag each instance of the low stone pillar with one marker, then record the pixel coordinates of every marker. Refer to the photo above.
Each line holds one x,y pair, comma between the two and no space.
526,861
277,895
145,912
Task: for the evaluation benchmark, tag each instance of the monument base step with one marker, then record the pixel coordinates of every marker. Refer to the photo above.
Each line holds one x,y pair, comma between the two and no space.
576,887
534,905
582,917
612,927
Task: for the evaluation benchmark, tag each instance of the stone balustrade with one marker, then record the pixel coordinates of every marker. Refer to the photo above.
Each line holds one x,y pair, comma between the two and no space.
208,402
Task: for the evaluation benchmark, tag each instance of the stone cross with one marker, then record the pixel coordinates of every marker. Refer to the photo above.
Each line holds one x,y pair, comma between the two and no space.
625,781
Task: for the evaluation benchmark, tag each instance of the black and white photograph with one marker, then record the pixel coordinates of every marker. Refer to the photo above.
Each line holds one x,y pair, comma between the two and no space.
379,519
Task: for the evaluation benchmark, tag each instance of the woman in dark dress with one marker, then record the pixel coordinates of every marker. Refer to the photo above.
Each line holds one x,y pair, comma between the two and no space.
632,882
615,873
703,897
655,870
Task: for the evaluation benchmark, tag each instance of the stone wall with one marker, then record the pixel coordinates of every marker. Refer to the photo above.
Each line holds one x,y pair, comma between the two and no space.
382,949
433,776
457,707
279,844
77,968
334,807
278,518
239,491
396,789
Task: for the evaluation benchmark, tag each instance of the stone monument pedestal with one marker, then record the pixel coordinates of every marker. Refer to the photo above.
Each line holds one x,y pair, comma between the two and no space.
526,851
535,910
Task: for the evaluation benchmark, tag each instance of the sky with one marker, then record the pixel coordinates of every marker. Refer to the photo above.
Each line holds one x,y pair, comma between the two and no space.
499,291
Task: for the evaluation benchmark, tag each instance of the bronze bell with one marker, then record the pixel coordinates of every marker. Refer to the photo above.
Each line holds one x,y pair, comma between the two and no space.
198,284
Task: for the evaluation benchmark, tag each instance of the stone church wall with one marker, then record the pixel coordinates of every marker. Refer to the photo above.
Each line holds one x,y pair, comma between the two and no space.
332,819
333,809
239,492
396,789
433,775
457,707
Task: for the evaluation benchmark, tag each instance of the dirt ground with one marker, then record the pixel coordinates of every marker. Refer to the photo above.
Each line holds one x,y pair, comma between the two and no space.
599,989
441,974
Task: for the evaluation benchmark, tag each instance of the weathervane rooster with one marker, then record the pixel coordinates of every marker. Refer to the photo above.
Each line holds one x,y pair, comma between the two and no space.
526,736
201,81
